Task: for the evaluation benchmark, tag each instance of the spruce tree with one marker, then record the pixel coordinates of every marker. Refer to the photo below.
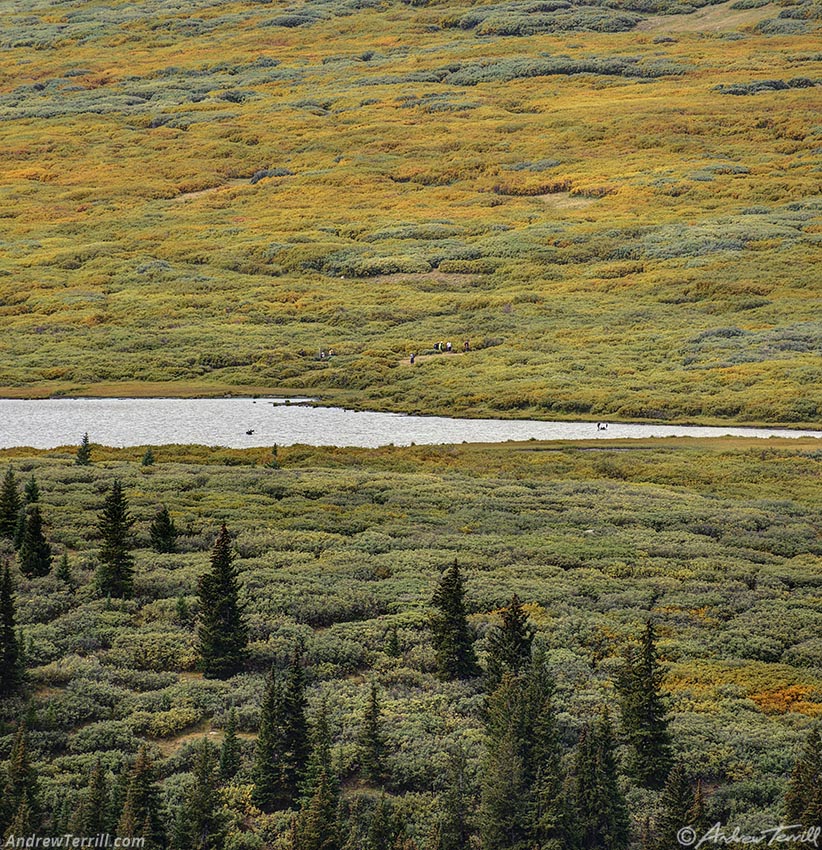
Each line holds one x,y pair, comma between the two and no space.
222,632
31,492
148,457
598,805
522,783
803,799
92,815
509,645
115,573
141,814
316,826
201,823
282,744
34,555
451,634
676,808
644,718
21,794
63,572
453,829
230,749
382,828
392,643
10,655
163,532
83,456
10,505
370,742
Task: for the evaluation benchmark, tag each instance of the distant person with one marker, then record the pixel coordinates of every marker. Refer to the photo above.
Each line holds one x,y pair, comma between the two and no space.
466,346
448,347
413,358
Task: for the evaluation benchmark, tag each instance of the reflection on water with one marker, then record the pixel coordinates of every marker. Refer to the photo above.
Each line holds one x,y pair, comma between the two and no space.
245,423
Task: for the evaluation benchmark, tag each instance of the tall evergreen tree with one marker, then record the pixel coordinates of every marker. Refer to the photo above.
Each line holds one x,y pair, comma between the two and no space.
222,631
453,827
283,743
677,804
34,554
115,573
521,793
141,815
230,749
451,634
10,504
803,799
316,826
201,823
598,804
370,742
163,532
644,718
92,816
509,645
10,655
148,457
20,797
382,829
83,456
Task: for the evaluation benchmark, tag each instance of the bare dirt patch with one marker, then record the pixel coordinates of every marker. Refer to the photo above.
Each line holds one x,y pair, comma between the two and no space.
710,19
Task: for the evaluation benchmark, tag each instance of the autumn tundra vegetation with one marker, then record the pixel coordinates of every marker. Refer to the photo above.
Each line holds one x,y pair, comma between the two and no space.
532,645
599,209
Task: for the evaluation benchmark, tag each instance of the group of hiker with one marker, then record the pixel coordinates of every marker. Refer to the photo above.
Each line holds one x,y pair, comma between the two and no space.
442,347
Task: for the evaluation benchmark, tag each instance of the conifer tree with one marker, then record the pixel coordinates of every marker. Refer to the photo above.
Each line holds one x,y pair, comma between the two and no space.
644,719
115,573
453,828
63,572
10,655
148,457
34,554
31,492
451,634
201,824
230,749
509,645
382,827
803,799
370,742
282,744
21,794
83,456
677,808
23,823
10,505
316,826
163,532
92,815
522,785
599,807
222,632
392,643
141,814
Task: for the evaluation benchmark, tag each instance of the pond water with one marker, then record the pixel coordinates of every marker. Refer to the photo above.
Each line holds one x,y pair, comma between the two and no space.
48,423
